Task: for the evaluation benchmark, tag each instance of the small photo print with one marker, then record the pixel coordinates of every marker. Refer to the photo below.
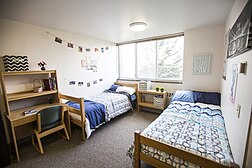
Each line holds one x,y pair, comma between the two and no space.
80,83
95,82
94,67
72,83
88,59
80,49
83,63
93,62
88,84
70,45
58,40
89,67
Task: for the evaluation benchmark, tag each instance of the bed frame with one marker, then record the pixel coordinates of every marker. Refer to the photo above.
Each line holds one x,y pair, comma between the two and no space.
81,123
182,154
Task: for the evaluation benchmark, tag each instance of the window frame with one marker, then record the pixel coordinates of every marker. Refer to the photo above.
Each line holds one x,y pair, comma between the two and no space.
157,56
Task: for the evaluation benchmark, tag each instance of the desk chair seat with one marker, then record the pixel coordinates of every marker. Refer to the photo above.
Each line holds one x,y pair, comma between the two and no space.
49,120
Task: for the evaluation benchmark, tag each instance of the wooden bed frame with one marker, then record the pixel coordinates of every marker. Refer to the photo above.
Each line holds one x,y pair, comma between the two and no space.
182,154
81,123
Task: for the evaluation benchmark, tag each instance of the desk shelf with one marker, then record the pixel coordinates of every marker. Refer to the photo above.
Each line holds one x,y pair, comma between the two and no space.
28,94
17,73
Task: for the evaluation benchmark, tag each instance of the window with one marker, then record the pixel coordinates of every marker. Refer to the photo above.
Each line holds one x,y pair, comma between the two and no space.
146,59
152,60
127,60
170,58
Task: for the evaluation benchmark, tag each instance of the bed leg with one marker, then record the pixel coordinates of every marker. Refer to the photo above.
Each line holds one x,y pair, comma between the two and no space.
83,133
137,160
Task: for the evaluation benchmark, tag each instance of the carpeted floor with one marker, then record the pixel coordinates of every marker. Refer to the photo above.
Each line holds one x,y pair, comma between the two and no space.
106,148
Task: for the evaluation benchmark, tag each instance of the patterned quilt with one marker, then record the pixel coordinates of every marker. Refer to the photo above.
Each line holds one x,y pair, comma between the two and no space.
115,104
195,127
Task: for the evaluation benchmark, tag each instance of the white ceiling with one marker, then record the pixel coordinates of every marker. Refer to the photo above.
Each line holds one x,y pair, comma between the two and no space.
109,19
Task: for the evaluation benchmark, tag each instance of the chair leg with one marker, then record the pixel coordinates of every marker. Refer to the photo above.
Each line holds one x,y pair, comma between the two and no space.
67,136
38,147
40,144
33,142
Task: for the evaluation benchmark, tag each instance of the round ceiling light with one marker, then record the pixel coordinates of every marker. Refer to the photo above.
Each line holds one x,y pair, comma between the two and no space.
138,26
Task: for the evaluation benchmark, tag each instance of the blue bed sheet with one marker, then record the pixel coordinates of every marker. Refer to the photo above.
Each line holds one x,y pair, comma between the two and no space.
95,112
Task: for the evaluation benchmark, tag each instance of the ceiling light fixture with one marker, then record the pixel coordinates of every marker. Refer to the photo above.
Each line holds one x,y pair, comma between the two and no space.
138,26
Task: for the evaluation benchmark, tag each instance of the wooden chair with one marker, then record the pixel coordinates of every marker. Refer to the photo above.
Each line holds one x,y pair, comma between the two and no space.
49,120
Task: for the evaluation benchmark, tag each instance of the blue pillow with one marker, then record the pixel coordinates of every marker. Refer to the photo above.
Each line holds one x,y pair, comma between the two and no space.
207,97
182,95
113,87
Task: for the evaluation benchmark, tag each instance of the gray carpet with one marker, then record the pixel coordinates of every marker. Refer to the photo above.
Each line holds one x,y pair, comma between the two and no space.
106,147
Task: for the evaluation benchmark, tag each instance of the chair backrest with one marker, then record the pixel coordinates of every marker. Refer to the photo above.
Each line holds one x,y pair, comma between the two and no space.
49,117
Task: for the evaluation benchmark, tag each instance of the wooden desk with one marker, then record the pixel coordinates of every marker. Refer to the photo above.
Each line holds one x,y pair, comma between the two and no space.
17,118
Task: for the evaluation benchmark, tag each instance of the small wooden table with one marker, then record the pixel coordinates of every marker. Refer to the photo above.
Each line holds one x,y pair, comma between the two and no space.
17,118
151,104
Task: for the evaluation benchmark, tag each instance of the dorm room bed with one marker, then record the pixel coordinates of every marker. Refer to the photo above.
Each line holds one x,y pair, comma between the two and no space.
189,133
97,110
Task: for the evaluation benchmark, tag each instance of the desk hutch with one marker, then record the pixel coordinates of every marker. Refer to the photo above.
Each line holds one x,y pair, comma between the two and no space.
19,96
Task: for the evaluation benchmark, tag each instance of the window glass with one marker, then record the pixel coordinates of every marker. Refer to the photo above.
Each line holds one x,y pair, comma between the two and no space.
127,60
153,60
146,59
170,58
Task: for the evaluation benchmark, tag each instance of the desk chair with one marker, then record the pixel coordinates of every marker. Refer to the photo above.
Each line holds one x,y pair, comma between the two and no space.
49,120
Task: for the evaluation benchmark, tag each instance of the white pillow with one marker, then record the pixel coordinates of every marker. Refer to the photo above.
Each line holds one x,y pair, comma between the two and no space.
126,89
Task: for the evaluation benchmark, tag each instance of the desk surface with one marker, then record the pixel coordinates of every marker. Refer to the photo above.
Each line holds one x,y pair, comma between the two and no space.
19,114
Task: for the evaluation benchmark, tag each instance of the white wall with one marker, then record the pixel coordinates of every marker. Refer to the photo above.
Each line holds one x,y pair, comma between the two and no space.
203,40
237,128
25,39
207,40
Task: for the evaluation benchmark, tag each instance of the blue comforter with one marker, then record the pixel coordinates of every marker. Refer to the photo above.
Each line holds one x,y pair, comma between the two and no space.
95,112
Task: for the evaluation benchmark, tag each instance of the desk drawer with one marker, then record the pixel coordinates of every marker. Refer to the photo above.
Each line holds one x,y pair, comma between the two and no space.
24,120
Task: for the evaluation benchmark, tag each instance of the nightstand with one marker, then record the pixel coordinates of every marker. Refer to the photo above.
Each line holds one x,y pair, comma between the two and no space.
158,100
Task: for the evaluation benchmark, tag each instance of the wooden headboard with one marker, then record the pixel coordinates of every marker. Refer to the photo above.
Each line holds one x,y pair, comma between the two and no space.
133,85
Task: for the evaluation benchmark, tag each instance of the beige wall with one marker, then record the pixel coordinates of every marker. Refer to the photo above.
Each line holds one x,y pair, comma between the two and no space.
203,41
237,128
24,39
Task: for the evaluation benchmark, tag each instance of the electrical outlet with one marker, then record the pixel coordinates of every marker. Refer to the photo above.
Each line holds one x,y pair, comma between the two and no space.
238,110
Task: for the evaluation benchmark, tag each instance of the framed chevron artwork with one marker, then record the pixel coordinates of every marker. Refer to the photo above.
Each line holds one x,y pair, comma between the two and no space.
15,63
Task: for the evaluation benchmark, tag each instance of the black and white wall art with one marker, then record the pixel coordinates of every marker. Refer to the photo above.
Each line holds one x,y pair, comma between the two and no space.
240,35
